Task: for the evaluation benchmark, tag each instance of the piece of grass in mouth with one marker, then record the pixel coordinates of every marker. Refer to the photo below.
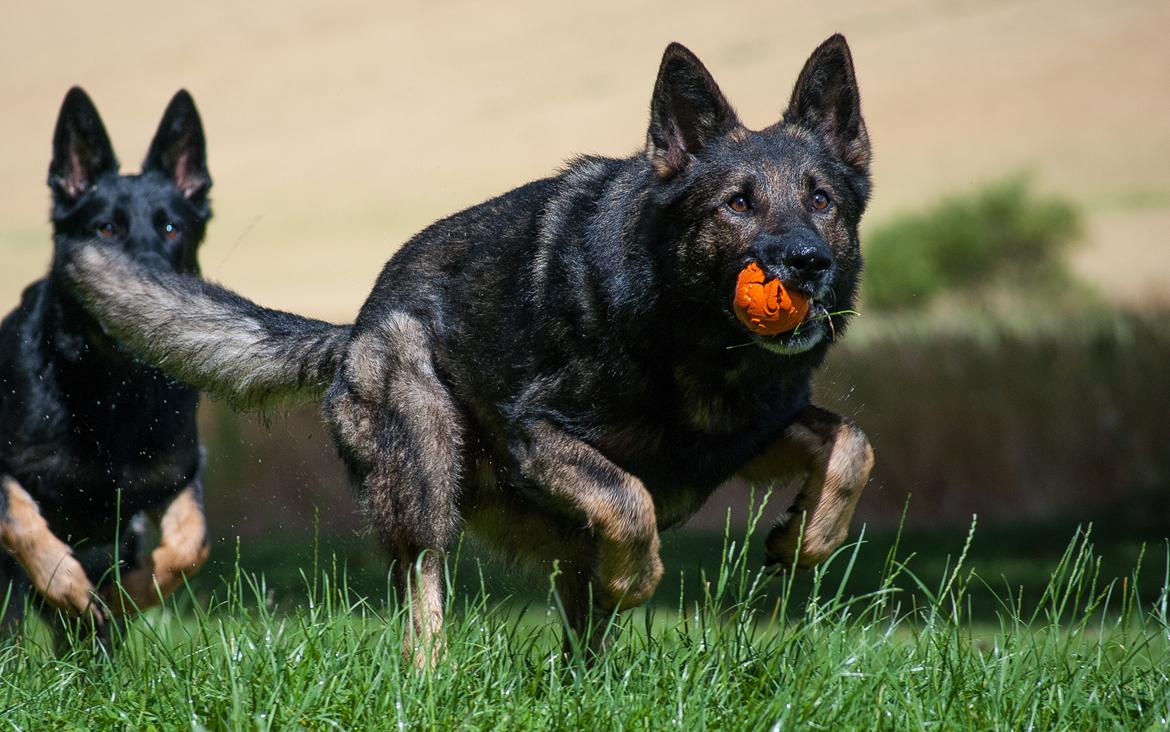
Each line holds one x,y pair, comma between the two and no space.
826,315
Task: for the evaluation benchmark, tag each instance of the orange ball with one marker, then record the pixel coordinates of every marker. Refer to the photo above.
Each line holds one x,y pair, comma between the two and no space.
766,307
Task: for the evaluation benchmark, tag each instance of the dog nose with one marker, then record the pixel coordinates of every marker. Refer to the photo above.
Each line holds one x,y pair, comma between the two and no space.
807,260
806,256
796,254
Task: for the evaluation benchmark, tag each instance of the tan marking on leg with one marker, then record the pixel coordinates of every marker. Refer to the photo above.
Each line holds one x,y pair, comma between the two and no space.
620,513
423,643
181,551
629,565
838,459
48,561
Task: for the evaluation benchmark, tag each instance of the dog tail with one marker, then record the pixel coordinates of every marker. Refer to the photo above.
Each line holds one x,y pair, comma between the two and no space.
203,334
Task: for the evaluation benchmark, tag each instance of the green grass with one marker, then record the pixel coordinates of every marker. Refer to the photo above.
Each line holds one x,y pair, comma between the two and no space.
732,651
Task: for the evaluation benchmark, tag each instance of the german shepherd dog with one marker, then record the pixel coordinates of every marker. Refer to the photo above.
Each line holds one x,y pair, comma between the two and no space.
91,440
559,370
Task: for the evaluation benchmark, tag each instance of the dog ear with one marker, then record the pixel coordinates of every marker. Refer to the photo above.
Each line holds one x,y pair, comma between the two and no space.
179,149
687,112
826,101
81,148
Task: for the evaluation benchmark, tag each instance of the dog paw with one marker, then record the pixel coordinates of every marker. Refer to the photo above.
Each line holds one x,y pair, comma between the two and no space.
627,576
792,544
72,593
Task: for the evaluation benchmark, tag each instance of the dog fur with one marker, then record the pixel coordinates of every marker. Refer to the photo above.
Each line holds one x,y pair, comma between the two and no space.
559,370
91,439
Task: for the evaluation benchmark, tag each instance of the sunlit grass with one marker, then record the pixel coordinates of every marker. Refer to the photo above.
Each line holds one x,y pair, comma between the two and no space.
742,652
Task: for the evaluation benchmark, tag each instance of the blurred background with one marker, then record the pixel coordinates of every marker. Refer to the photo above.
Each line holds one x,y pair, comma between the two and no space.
1011,357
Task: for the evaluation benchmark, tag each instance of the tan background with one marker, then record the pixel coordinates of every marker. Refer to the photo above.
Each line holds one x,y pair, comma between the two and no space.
338,130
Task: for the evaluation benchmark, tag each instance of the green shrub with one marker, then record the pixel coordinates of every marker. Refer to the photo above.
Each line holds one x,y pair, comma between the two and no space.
1001,233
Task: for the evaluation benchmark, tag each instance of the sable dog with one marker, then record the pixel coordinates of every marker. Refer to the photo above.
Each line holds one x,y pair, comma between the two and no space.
88,434
557,370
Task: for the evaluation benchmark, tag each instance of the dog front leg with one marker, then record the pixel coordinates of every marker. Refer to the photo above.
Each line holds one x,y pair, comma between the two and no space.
615,506
835,458
49,562
181,551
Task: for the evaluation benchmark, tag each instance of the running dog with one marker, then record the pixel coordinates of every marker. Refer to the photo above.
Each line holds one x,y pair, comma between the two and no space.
92,440
559,370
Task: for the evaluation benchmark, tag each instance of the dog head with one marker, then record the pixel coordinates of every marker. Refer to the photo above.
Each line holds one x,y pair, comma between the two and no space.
788,198
160,214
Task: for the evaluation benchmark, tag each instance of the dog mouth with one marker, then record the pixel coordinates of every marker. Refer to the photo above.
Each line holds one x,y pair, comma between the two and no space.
811,330
763,303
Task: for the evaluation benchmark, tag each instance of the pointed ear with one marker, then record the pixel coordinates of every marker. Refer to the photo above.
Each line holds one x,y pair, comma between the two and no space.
81,147
179,149
687,112
827,102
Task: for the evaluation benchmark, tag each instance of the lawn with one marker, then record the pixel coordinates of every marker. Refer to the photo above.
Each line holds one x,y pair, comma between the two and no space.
940,647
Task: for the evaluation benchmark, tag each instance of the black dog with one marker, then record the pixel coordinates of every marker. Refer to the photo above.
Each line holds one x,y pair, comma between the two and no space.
90,438
559,369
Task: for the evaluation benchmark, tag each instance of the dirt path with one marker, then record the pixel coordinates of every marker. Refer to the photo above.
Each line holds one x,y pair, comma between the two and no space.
337,131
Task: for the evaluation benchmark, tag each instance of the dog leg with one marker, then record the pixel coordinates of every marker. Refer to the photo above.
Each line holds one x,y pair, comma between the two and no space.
181,551
586,621
615,506
400,434
418,579
48,561
835,458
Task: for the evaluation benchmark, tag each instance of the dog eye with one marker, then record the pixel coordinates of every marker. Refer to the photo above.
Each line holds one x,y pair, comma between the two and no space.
739,204
106,230
171,231
820,200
